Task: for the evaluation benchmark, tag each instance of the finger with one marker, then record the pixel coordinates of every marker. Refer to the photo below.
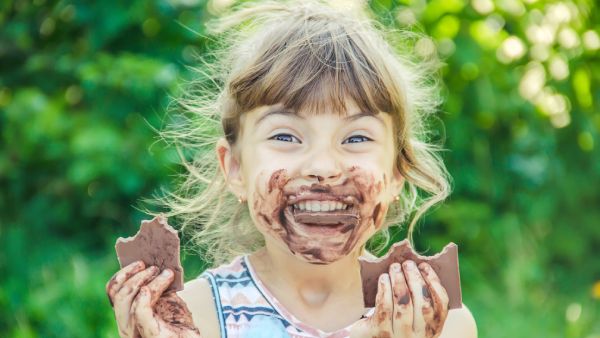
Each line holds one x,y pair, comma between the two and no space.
439,295
420,295
159,284
116,281
130,288
403,308
382,317
143,314
143,304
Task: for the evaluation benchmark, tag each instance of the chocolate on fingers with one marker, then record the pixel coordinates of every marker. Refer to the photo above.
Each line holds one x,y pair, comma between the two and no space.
445,265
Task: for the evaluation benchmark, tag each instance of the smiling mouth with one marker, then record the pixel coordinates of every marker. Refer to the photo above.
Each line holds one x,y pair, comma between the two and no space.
331,213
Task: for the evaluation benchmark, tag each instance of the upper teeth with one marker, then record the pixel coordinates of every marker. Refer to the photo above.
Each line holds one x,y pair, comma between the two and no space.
320,205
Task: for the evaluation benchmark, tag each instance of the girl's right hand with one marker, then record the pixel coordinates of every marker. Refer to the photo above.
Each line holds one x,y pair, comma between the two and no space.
143,308
122,288
411,303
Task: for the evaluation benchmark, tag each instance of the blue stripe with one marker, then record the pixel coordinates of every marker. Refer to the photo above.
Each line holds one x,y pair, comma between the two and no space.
248,312
220,278
252,311
217,299
248,308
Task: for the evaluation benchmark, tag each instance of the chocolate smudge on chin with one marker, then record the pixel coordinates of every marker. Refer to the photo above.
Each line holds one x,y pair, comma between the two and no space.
315,252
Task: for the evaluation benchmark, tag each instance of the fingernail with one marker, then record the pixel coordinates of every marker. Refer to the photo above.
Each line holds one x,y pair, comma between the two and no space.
136,264
166,273
395,267
383,277
409,264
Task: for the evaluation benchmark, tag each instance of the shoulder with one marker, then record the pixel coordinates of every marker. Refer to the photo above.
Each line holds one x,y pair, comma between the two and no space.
459,324
198,296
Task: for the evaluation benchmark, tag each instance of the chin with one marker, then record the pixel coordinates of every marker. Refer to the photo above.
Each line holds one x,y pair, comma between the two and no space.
320,255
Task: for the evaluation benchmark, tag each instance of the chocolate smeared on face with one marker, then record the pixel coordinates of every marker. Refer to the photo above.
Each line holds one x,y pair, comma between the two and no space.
320,222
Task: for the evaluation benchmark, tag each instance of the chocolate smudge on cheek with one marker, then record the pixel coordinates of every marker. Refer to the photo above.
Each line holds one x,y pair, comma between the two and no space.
276,179
376,212
270,207
371,211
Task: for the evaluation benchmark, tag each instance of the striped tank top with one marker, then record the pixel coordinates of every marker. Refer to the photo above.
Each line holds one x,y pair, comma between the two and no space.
247,309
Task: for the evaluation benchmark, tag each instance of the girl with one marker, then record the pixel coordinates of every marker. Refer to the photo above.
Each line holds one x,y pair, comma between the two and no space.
323,147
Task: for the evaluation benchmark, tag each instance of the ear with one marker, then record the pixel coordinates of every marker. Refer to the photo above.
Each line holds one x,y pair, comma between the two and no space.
230,168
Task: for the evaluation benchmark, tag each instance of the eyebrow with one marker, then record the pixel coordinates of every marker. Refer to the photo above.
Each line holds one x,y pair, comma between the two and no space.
277,111
287,112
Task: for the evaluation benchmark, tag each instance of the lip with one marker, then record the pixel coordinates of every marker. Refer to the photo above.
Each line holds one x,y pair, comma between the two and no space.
328,229
321,196
331,219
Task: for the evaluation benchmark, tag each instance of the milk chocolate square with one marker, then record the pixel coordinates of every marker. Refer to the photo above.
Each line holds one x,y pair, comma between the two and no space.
156,243
445,264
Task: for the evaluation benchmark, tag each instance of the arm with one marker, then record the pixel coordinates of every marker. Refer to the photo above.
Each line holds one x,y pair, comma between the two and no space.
198,297
459,324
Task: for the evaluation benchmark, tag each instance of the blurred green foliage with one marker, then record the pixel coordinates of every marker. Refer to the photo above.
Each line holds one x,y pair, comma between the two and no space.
82,84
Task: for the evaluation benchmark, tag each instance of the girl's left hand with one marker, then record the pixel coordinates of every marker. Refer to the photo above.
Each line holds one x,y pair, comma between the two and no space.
411,303
162,315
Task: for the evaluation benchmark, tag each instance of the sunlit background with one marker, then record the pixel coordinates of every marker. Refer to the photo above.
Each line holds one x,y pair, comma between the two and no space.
81,84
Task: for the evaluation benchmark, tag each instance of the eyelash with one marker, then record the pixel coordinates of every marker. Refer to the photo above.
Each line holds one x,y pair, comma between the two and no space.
290,138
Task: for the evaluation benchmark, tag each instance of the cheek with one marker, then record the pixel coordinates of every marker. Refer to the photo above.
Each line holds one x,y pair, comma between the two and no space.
266,198
379,214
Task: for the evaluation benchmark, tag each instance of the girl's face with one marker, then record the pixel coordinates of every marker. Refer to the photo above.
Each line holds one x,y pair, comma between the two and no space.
317,184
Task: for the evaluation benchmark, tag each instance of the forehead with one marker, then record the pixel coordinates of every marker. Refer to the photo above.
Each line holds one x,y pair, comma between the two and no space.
259,115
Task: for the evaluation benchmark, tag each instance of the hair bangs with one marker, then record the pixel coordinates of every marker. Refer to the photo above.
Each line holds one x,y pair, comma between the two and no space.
314,72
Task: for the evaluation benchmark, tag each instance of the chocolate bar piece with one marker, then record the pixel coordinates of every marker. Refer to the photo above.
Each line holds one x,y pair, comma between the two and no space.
445,265
156,243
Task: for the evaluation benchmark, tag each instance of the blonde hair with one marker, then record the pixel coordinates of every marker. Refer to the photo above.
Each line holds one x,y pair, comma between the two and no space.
306,55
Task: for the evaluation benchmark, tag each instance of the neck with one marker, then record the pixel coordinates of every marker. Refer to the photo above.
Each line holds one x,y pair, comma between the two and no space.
313,284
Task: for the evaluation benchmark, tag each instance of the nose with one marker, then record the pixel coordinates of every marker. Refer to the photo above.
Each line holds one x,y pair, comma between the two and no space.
321,166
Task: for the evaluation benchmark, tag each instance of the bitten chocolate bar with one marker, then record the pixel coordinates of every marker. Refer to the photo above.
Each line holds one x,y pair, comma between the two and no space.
156,243
445,264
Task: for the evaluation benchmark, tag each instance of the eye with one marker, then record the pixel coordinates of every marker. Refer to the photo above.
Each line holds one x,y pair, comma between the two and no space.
285,138
356,139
